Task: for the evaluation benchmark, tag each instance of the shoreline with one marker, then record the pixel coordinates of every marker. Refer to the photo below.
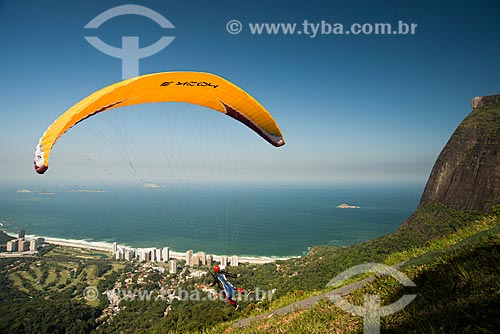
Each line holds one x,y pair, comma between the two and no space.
105,246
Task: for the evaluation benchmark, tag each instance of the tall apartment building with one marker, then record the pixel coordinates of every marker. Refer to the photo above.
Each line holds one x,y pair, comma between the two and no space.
12,246
165,254
189,256
172,266
33,245
202,257
210,260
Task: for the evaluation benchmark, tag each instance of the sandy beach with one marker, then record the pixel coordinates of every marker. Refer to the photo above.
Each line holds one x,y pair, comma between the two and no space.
104,246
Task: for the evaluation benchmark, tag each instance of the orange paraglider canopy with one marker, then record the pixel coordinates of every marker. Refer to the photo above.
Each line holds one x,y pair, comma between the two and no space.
199,88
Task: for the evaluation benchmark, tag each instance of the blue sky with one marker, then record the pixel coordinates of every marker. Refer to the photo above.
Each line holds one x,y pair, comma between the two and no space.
364,108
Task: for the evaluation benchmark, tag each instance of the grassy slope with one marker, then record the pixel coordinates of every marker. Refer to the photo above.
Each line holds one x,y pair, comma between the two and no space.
458,288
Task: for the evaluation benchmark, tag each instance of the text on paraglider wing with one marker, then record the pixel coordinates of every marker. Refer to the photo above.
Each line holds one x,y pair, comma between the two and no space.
190,84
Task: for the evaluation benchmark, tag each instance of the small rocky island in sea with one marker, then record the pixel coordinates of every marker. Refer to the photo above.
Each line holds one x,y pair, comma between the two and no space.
347,206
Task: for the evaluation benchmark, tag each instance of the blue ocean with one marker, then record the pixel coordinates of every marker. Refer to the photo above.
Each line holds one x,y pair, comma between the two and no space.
277,220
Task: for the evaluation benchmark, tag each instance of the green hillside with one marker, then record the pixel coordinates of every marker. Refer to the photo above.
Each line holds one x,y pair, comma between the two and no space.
457,281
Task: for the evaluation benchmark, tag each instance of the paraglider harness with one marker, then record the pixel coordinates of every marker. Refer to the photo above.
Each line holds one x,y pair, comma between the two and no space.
220,278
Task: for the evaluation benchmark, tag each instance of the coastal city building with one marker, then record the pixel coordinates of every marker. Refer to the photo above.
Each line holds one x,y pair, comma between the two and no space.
119,255
199,259
195,261
29,246
189,255
156,255
141,254
129,255
202,257
210,260
12,245
33,245
23,244
235,260
165,254
172,266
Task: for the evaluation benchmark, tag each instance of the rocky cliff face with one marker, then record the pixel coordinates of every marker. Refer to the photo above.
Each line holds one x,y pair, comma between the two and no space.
466,175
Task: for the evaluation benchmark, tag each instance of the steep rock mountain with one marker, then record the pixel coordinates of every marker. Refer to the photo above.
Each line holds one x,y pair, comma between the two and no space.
466,175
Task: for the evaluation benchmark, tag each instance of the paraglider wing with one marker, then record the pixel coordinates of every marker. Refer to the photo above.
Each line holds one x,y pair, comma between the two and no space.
199,88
